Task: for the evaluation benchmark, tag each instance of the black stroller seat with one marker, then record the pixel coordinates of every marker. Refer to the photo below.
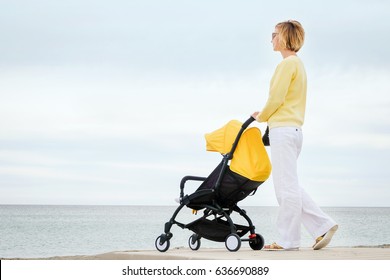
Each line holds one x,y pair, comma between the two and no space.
219,193
233,188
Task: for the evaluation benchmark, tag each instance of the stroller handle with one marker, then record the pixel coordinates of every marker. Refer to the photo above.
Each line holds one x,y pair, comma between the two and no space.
243,127
248,122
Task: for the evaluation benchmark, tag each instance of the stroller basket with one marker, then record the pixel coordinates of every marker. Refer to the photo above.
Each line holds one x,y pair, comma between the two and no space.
215,230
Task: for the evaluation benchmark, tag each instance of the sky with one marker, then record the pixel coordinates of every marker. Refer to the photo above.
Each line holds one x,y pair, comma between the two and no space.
107,102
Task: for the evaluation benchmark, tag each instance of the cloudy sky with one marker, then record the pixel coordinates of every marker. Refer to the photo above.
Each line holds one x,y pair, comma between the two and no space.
107,102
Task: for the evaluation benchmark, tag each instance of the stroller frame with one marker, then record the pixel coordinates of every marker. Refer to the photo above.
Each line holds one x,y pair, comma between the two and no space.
222,227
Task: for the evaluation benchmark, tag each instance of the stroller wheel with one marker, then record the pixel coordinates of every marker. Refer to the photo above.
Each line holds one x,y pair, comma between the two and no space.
194,242
161,244
233,242
257,243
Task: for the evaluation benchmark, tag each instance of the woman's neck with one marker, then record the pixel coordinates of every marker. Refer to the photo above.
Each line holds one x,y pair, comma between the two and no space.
286,53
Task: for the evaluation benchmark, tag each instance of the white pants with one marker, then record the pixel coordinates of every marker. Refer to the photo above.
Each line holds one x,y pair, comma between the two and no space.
295,205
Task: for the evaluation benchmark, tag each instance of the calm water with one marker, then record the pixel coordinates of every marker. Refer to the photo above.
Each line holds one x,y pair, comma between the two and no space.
44,231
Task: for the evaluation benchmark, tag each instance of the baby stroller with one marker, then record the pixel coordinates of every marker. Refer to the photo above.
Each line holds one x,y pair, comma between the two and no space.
220,192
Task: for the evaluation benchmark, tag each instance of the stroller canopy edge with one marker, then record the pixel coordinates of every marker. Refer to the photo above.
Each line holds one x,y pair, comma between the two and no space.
221,140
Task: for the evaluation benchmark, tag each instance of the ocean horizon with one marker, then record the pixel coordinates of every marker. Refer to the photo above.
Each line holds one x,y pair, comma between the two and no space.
39,231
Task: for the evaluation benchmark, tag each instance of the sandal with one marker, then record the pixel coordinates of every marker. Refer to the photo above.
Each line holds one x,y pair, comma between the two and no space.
273,247
324,240
276,247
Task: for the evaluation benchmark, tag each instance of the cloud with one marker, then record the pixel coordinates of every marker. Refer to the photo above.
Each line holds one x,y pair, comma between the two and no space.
112,100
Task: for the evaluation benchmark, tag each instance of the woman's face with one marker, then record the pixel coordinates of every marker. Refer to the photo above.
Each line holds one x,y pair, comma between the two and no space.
275,39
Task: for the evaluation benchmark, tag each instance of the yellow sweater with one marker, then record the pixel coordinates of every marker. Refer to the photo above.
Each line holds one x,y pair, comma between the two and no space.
287,95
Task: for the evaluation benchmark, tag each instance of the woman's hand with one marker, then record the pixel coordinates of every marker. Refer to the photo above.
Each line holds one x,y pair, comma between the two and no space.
254,115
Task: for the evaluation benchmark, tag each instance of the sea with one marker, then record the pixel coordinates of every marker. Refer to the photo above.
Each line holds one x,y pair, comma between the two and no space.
41,231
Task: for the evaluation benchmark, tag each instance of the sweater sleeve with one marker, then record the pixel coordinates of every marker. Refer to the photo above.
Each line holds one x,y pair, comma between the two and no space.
279,86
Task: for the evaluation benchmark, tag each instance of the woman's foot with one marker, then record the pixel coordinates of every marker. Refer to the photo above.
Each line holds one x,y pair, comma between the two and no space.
324,240
276,247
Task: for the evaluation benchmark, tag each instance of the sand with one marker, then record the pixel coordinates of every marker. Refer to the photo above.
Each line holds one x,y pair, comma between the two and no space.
381,252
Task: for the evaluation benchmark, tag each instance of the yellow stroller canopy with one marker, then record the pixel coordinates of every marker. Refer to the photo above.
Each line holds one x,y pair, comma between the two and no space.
250,159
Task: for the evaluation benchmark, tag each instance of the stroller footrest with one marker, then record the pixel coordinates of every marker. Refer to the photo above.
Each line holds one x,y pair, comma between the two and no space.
198,199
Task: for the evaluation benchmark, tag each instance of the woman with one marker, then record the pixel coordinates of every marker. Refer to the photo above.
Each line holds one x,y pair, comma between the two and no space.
284,112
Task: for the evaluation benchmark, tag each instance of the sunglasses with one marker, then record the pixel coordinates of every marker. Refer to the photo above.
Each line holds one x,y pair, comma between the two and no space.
274,35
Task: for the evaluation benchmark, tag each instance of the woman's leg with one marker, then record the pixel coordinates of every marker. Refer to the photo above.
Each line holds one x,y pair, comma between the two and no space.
296,206
314,219
286,143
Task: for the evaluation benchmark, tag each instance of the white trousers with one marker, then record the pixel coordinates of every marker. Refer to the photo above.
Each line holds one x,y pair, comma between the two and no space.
295,205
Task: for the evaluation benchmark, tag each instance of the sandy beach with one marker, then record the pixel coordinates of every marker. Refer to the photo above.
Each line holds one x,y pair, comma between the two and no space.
381,252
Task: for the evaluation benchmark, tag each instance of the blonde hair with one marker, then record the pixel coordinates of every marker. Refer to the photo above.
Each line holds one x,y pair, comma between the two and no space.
291,35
